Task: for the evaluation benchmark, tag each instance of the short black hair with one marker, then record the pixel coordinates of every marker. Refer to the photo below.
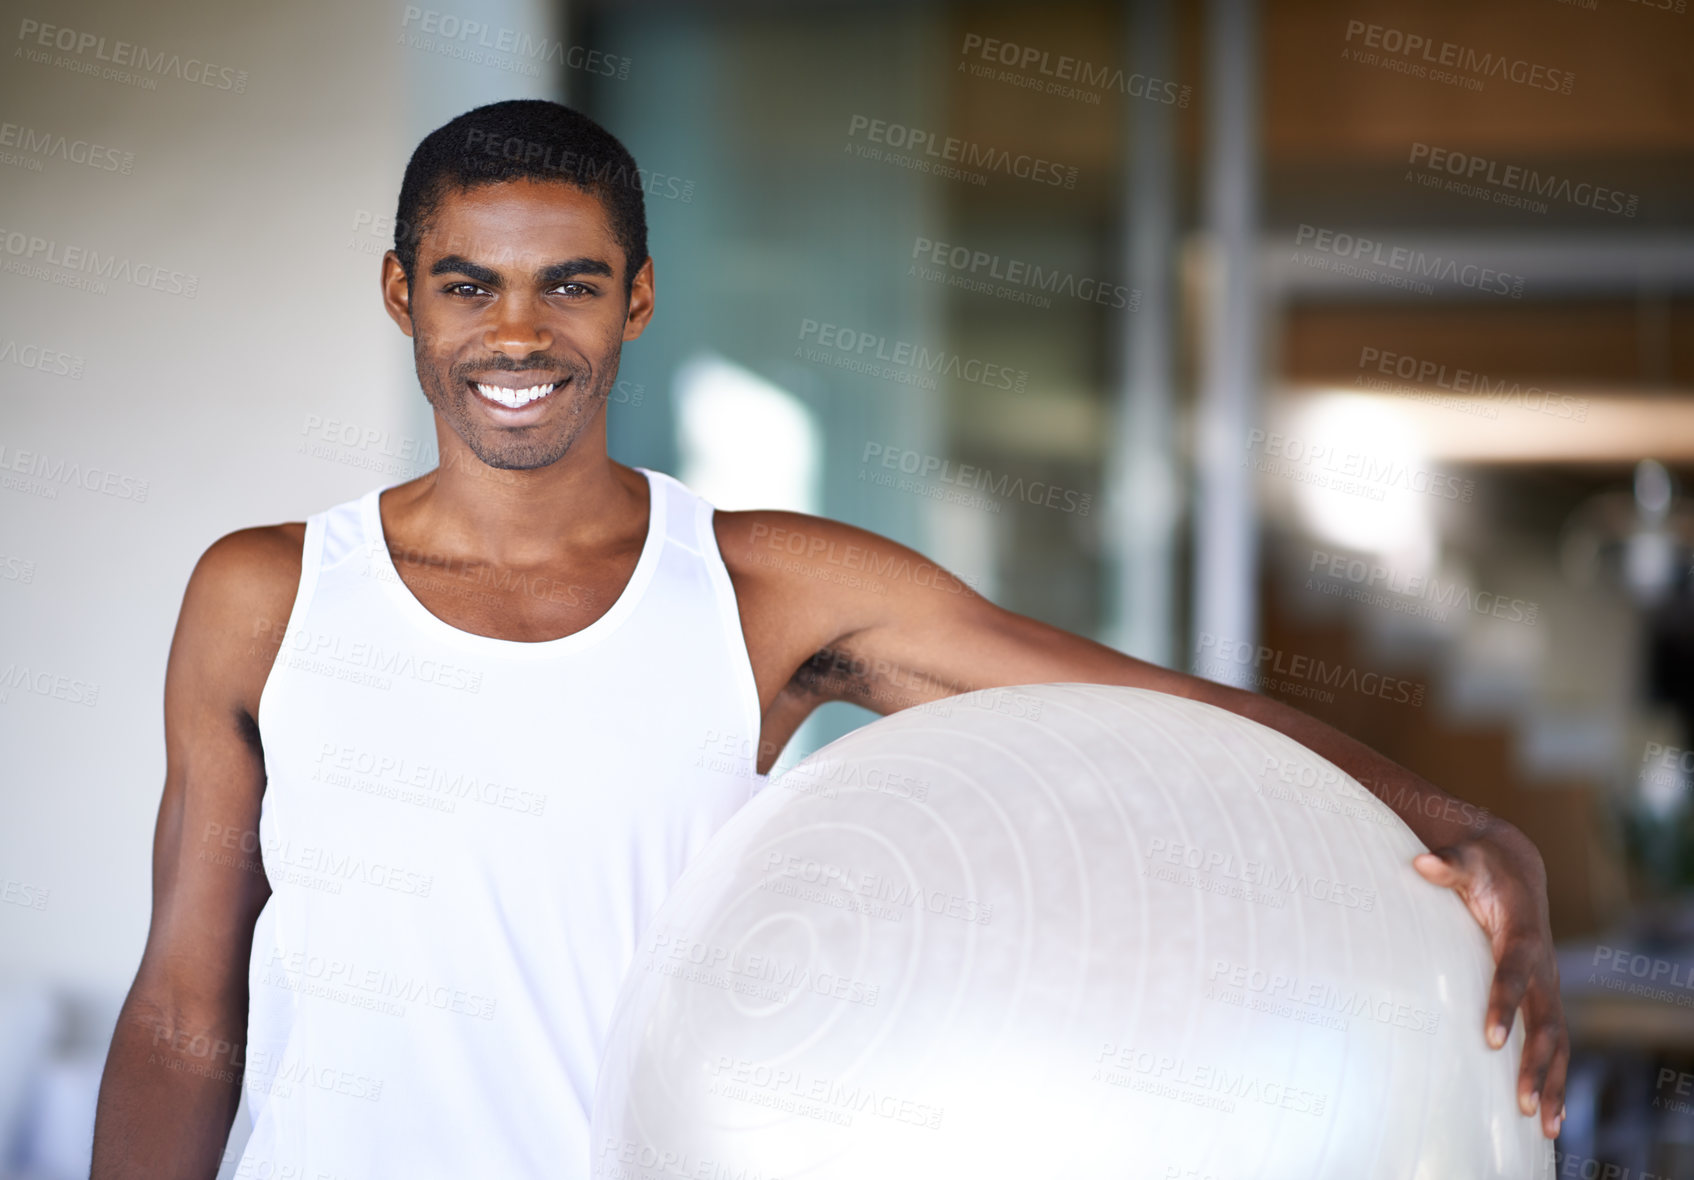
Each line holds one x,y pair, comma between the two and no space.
522,139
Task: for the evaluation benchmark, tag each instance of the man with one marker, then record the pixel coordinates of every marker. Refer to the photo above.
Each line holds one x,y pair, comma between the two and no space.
433,755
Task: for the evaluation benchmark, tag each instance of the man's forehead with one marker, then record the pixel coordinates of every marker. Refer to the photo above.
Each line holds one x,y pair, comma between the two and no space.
532,200
519,226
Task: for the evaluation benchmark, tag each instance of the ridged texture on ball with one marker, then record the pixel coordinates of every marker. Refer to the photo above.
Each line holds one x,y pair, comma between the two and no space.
1061,930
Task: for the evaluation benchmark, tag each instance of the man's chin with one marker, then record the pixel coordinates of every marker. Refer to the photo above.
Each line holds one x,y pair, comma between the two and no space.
505,453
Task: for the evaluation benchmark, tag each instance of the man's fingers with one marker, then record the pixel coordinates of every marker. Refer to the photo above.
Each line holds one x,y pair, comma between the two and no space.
1525,978
1511,980
1453,866
1546,1053
1539,1049
1553,1091
1435,869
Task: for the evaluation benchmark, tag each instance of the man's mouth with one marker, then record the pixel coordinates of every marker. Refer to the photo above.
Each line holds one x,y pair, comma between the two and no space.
514,397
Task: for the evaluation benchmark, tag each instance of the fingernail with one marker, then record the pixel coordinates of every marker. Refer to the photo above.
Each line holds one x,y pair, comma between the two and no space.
1529,1102
1497,1035
1557,1123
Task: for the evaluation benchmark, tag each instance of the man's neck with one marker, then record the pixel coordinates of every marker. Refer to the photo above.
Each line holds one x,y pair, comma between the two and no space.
579,504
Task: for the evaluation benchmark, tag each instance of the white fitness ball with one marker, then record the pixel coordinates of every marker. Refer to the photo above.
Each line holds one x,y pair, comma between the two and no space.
1061,930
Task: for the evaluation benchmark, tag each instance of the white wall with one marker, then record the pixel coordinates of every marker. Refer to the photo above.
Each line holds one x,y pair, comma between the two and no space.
266,199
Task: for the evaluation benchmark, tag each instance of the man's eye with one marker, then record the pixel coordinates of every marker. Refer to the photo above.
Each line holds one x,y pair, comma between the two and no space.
584,291
462,288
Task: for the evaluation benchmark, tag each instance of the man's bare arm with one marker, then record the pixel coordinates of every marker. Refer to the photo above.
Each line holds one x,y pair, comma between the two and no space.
907,632
172,1081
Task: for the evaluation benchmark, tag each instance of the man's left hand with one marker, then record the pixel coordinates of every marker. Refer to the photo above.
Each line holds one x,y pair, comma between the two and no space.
1502,880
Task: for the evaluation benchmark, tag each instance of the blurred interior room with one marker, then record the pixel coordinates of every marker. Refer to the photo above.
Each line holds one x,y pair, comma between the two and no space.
1275,342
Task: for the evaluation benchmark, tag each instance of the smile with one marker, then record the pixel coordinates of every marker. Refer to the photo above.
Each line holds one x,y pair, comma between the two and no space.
514,399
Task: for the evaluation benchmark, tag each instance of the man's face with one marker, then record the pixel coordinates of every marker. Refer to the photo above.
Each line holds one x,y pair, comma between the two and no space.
517,316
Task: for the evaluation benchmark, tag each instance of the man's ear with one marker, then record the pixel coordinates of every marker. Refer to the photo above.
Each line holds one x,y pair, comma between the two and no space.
396,292
641,297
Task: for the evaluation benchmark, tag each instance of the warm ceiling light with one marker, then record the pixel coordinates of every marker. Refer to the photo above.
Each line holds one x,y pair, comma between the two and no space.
1571,426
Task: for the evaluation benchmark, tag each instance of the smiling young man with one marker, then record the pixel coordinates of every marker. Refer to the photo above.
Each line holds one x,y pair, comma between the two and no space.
434,755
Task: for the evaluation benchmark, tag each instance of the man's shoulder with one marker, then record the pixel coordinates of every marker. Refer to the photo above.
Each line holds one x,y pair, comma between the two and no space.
234,613
824,556
249,575
255,555
775,539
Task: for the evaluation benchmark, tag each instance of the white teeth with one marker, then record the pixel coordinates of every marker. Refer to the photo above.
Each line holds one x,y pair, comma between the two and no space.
514,398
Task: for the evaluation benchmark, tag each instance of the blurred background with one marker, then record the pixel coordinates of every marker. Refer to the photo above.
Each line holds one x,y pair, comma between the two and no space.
1303,345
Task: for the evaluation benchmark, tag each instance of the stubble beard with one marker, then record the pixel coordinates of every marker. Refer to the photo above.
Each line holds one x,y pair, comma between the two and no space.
445,388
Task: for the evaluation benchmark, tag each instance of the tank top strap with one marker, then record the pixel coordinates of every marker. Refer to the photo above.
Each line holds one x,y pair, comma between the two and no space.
343,529
682,506
688,523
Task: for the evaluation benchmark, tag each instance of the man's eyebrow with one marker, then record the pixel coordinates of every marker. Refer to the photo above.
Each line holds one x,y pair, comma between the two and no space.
557,272
573,267
450,264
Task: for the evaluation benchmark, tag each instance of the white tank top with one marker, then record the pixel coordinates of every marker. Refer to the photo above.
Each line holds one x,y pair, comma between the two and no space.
465,839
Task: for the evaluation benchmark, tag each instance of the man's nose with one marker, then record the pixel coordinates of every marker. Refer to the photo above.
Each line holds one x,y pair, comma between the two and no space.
519,328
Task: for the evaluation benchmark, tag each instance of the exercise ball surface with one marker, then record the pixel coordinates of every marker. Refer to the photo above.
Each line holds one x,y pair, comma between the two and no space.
1061,930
